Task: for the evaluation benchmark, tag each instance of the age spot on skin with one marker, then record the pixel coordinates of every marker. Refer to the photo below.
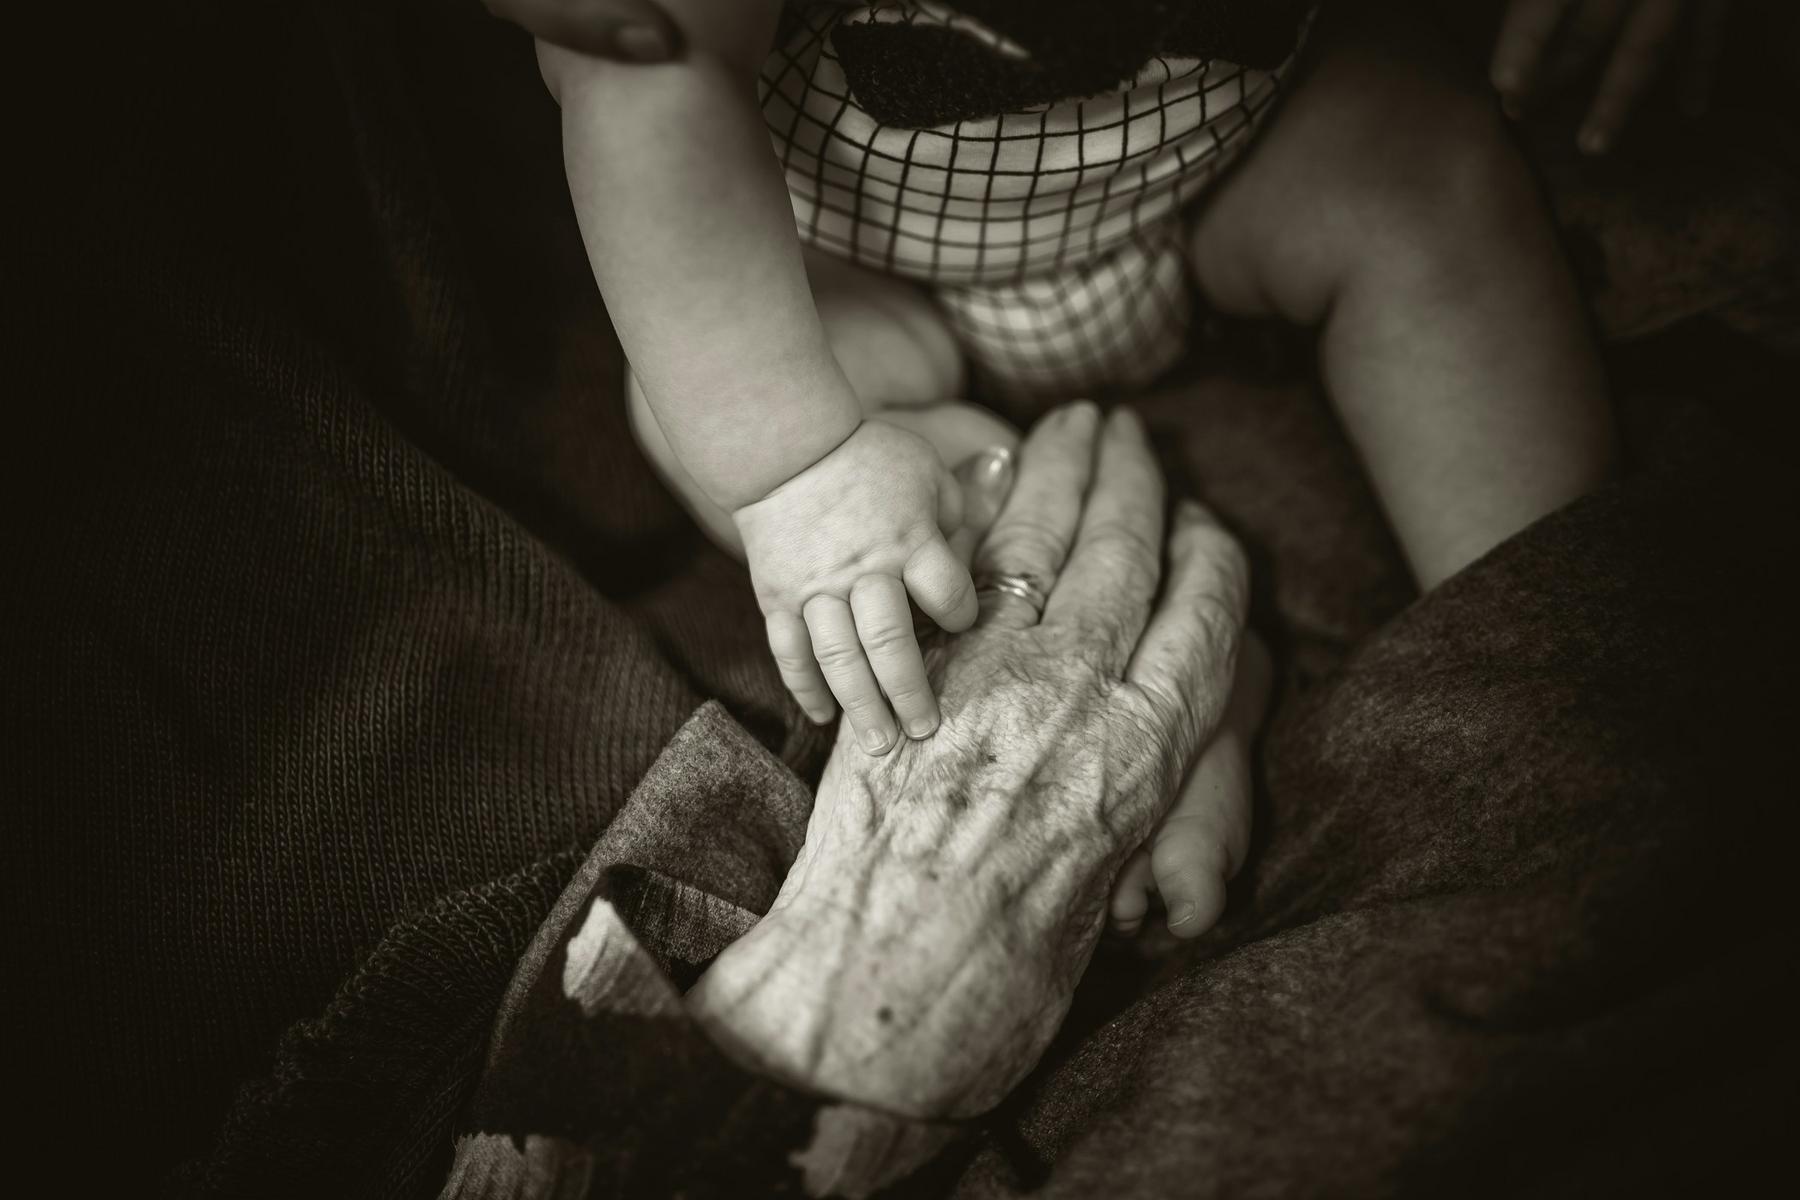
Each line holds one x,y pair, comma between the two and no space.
884,1014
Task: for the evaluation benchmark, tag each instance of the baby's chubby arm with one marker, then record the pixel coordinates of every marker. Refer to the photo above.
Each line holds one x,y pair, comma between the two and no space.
688,227
687,224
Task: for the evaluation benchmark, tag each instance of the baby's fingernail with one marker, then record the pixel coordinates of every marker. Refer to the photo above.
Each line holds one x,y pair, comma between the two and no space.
1182,913
641,43
922,728
987,479
874,741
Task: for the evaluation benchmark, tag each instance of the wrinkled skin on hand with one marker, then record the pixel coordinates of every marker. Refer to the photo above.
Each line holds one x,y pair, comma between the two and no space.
927,942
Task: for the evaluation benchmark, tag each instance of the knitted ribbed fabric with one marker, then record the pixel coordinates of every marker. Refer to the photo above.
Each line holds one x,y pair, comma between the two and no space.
339,586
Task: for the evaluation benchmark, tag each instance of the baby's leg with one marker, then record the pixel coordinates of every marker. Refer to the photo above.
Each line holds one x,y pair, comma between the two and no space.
1385,204
900,358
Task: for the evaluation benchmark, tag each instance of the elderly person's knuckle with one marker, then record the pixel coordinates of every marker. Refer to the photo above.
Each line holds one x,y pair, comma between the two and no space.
1033,539
1221,622
1124,539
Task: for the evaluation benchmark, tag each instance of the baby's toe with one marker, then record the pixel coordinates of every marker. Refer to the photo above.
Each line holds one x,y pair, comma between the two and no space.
1131,893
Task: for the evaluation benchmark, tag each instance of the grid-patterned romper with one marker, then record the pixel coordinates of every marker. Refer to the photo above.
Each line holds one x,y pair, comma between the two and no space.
1051,236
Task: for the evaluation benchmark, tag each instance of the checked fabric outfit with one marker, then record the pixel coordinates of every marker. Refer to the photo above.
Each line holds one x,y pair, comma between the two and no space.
1050,232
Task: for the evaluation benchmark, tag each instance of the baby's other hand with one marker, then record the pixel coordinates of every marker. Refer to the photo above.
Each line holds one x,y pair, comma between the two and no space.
834,553
1548,42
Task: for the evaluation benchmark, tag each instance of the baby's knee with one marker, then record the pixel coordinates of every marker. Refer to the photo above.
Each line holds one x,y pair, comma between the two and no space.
1450,199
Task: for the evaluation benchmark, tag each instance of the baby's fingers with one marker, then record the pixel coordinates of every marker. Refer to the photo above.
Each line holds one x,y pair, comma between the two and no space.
839,653
941,586
884,623
792,647
1635,64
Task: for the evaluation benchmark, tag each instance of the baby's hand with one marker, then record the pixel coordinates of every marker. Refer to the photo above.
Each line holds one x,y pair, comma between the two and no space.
1549,41
834,552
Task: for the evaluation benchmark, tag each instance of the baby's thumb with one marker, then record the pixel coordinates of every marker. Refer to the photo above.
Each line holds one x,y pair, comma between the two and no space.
950,507
985,480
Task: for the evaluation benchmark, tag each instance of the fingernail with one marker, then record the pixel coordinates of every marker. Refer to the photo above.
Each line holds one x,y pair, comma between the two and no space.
921,729
1592,141
1182,913
987,478
641,43
874,741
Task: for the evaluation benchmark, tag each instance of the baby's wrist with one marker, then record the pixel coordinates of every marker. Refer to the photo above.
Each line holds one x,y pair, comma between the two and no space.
804,457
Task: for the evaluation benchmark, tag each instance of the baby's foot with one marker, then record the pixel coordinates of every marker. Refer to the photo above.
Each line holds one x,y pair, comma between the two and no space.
1200,842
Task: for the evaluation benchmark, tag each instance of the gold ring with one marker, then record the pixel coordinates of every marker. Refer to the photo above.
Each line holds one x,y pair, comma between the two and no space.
1022,586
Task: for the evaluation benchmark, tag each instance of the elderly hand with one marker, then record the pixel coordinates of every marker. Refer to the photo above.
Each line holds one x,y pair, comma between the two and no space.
1544,42
926,944
636,30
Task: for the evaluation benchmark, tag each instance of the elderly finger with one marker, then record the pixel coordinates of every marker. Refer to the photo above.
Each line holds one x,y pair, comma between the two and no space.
1640,55
1110,579
1031,535
941,585
1525,35
840,655
884,623
1187,656
791,645
1705,47
630,30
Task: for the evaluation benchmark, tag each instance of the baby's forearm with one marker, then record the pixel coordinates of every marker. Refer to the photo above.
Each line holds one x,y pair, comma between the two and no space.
688,226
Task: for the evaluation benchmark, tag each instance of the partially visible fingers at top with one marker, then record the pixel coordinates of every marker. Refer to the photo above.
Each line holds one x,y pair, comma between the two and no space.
628,30
1638,58
1591,28
1707,44
839,651
1111,575
1525,36
1187,657
791,645
884,623
1036,525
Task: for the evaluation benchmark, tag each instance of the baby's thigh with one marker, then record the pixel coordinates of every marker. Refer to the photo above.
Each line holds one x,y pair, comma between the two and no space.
1386,146
888,335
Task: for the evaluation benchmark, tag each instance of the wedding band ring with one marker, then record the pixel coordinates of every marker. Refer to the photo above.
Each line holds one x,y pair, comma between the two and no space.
1022,586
